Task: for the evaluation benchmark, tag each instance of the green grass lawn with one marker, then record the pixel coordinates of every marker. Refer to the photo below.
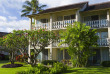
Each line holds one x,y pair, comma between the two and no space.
90,70
13,70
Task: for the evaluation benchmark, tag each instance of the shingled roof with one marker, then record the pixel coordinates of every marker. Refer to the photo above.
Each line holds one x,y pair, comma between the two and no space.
98,6
66,7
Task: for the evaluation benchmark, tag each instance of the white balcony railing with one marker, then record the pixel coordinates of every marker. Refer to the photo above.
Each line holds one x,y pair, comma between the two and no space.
97,23
62,24
103,42
55,44
100,42
42,25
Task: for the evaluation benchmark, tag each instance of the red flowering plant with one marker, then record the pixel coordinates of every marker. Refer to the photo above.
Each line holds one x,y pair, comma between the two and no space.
16,41
20,57
19,41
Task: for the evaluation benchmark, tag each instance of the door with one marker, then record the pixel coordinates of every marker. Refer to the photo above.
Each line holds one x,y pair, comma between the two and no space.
45,54
60,55
97,57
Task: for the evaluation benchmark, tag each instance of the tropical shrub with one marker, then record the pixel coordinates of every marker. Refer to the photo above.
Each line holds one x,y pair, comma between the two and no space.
40,69
79,38
50,62
2,56
20,58
105,63
58,68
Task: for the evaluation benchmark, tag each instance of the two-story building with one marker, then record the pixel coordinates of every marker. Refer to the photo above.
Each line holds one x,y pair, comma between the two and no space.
97,16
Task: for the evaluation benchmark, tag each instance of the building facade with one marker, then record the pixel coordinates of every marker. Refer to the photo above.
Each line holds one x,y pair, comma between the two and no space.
97,16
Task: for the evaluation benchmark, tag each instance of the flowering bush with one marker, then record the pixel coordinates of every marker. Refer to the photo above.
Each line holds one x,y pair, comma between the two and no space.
20,58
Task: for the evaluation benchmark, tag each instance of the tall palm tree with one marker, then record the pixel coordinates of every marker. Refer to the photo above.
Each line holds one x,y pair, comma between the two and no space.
31,7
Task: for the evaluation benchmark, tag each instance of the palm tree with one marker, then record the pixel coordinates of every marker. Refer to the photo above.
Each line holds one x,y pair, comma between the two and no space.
31,7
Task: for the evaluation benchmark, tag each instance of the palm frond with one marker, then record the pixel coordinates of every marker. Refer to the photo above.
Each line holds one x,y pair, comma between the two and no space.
24,14
42,6
28,3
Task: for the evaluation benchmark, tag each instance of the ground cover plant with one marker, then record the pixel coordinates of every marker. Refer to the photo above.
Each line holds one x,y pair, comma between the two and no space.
25,67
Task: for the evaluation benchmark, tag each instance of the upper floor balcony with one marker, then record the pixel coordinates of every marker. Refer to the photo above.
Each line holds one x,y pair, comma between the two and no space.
97,23
63,24
103,42
55,25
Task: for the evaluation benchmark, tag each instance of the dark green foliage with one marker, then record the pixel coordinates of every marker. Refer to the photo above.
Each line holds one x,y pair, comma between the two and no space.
81,40
40,69
58,68
2,56
6,57
105,63
50,62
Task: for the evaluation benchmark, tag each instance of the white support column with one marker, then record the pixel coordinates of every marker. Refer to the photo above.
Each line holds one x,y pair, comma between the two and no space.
35,21
63,54
29,47
51,42
30,23
35,24
108,19
77,16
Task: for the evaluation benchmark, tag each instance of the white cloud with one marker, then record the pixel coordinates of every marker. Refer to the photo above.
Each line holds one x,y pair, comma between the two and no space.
12,17
9,26
12,3
55,3
2,18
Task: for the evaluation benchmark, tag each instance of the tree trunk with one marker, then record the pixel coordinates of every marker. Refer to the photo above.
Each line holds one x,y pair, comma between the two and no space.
12,58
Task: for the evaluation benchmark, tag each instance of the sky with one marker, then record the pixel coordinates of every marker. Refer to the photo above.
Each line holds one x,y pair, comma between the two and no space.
10,11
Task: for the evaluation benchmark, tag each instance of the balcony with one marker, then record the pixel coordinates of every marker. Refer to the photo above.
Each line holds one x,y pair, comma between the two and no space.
55,25
97,23
42,25
55,44
62,24
103,42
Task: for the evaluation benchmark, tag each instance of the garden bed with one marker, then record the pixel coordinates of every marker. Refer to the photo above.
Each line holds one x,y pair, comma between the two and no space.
12,65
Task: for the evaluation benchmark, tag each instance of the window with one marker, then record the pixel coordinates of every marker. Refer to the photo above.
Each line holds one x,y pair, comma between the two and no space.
72,16
88,18
59,18
102,17
95,17
69,17
104,35
44,20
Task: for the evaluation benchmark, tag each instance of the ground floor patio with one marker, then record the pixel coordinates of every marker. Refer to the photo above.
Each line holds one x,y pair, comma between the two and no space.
101,54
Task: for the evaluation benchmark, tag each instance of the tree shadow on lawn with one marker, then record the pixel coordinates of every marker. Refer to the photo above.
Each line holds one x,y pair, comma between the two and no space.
4,61
90,70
